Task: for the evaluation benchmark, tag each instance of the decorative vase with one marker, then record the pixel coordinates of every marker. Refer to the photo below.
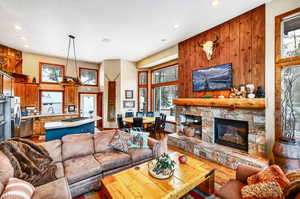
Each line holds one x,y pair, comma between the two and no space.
260,93
287,155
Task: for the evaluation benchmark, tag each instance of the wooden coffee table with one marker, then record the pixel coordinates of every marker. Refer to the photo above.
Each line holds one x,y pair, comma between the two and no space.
138,183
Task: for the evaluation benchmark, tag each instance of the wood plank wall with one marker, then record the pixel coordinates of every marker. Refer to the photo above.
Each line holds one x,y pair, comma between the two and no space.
241,42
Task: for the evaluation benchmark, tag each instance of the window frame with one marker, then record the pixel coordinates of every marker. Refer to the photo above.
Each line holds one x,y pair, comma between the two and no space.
40,72
143,86
278,31
47,90
92,69
153,86
281,63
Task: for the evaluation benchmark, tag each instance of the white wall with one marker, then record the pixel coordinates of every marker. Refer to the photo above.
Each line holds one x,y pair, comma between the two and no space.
273,9
128,82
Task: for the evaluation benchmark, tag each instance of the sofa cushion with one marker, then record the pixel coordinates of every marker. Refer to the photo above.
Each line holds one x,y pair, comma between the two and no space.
234,186
6,169
140,154
54,149
80,168
59,170
57,189
272,173
77,145
112,160
102,141
17,189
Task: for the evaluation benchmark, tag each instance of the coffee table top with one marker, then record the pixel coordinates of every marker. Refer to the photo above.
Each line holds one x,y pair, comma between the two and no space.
138,183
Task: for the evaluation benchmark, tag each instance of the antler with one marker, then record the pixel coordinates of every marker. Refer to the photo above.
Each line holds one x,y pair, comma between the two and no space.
201,45
217,38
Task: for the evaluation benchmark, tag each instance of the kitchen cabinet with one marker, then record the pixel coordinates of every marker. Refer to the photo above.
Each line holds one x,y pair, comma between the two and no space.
71,95
10,60
28,93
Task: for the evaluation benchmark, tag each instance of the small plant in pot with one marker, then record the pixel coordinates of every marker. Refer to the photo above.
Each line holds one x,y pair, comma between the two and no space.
162,167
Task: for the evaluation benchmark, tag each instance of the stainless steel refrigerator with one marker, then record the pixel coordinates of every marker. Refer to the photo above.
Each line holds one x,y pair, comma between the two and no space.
5,118
15,116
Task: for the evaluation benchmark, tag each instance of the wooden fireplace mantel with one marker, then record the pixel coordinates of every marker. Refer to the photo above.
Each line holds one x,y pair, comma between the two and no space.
257,103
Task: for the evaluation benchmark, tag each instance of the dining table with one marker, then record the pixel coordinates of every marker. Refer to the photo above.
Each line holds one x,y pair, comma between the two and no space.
147,121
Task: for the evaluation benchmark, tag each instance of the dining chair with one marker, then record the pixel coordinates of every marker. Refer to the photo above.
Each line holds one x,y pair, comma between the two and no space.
150,114
121,125
129,114
157,127
163,121
138,124
139,114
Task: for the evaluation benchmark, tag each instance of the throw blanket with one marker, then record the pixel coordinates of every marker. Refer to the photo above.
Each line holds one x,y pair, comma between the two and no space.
31,162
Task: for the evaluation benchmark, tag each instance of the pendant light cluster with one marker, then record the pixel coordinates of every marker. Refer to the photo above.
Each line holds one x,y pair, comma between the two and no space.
71,81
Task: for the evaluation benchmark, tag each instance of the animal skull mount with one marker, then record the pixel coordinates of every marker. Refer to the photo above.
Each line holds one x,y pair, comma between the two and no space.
209,47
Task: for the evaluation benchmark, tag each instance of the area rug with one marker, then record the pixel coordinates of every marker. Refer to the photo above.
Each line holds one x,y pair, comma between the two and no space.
194,194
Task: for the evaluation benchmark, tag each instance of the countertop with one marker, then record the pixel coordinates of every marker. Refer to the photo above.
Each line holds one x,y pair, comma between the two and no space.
62,124
48,115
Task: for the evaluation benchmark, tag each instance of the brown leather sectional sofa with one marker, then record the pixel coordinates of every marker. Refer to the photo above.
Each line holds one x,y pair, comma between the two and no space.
82,160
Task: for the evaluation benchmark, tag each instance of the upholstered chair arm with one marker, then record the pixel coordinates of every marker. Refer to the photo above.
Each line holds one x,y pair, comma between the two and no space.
243,172
154,145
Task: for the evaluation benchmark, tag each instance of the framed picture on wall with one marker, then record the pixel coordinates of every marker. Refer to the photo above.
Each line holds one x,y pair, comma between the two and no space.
128,104
129,94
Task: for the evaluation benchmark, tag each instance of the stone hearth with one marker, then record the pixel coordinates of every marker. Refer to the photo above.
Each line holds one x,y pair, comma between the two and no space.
207,148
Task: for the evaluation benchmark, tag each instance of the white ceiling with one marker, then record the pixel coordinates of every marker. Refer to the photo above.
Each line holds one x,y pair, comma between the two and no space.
135,28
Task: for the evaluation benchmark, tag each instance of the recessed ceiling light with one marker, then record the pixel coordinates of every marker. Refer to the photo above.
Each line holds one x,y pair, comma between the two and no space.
176,26
17,27
215,3
23,38
105,40
26,46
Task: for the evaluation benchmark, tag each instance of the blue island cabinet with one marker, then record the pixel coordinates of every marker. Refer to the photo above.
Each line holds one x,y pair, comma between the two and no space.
58,133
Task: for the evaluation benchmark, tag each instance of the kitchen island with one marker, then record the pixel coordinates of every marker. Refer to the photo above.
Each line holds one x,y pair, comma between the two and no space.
56,130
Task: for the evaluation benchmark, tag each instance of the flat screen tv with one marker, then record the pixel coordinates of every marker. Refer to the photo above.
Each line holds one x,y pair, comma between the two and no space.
213,78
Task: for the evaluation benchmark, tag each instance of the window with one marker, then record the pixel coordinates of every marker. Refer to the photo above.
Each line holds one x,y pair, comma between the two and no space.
88,76
143,78
164,90
290,36
51,102
165,75
143,91
51,73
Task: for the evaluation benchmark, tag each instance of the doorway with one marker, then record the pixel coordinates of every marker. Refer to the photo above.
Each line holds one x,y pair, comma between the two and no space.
90,104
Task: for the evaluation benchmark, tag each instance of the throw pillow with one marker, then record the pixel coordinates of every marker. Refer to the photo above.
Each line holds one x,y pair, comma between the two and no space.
121,141
293,189
263,190
139,140
17,189
272,173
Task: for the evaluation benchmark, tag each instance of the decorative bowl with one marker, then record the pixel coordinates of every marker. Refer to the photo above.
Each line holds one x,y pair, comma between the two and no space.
164,174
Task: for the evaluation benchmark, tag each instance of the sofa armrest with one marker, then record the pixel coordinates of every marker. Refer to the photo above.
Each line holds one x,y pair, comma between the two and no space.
243,172
154,145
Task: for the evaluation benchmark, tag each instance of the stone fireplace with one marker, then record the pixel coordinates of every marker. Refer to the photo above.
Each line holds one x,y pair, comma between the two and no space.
232,133
229,136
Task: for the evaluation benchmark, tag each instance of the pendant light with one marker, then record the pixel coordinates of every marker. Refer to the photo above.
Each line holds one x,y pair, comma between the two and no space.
67,79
